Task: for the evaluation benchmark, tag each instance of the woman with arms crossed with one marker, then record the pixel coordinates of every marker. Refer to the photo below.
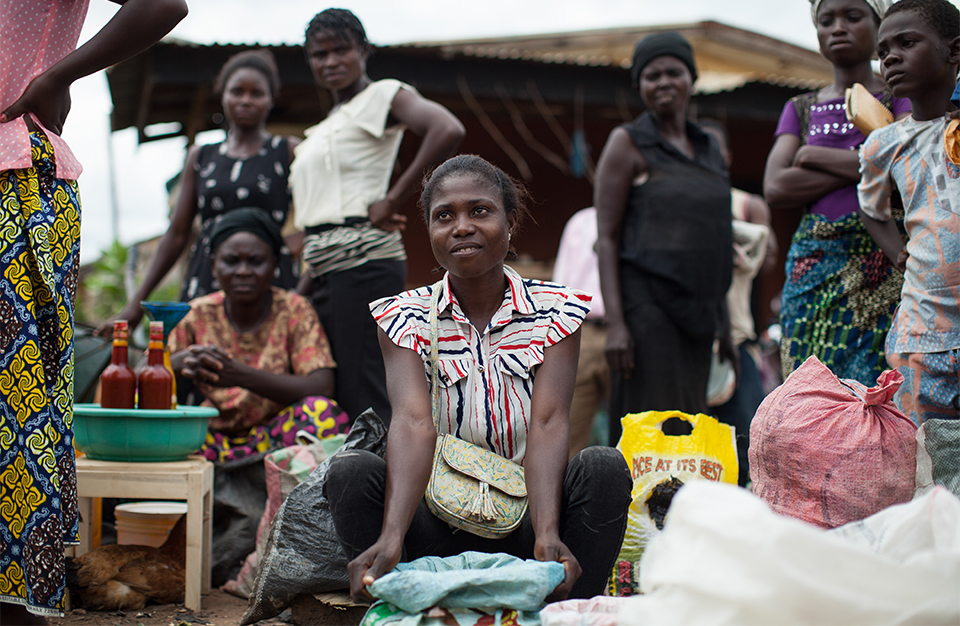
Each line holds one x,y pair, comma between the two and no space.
507,358
39,248
840,292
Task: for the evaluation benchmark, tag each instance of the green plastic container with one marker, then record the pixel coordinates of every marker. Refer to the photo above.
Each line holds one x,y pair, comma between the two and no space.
135,435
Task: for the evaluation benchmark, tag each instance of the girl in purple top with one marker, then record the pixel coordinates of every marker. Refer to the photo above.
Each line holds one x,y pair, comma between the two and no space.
840,292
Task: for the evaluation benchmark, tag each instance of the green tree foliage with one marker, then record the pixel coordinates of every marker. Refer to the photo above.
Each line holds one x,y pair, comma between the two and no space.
102,292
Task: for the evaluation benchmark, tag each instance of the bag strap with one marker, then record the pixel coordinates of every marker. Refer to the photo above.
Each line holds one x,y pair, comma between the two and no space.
437,289
801,105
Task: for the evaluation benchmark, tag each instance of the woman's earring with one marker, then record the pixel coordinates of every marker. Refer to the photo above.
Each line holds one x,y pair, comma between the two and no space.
509,236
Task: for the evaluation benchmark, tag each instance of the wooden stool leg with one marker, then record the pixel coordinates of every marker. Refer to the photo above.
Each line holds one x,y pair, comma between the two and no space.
194,540
207,541
86,522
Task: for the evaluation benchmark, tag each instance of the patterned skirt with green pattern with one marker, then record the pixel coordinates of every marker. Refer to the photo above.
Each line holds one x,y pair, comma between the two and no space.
39,258
839,298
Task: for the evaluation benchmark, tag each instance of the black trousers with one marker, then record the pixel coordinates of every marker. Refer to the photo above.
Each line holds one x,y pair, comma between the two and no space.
593,515
342,302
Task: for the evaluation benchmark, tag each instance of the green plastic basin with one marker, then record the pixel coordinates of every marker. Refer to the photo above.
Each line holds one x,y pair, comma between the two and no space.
135,435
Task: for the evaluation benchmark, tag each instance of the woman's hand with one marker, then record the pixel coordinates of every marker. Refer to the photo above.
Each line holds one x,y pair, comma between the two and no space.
620,348
374,562
134,28
902,260
131,312
213,366
47,98
787,185
383,215
550,548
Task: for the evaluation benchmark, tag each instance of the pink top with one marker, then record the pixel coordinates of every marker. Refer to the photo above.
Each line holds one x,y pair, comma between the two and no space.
576,265
34,34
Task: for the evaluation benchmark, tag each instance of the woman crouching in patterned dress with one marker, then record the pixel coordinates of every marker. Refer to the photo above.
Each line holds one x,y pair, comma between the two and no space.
253,349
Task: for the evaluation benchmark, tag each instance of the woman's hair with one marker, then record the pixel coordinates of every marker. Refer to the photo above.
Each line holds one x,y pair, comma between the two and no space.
340,23
513,193
260,60
940,15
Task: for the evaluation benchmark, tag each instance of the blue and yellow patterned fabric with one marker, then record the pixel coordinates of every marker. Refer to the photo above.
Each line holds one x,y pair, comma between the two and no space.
39,258
839,298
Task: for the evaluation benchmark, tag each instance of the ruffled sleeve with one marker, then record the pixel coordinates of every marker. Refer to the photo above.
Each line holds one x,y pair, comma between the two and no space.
563,308
572,308
405,318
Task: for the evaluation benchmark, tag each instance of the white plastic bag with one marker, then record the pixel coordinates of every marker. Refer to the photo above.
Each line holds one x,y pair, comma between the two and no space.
725,558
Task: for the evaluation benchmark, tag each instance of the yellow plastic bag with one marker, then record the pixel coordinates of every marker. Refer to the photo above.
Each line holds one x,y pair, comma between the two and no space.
657,462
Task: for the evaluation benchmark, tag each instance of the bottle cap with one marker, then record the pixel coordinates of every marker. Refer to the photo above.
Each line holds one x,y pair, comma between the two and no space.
156,331
120,332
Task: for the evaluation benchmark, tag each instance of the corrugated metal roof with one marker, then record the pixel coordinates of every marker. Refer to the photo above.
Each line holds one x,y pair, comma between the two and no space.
717,47
716,82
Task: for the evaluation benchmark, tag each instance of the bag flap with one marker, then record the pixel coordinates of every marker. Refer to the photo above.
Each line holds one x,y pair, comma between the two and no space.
484,465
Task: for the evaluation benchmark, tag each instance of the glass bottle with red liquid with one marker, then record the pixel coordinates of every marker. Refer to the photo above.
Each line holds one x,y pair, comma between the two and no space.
118,383
155,383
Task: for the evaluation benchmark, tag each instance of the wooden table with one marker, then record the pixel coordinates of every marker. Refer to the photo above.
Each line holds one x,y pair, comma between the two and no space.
190,480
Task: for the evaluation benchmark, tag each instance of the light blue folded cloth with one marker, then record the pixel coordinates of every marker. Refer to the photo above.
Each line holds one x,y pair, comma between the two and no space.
471,580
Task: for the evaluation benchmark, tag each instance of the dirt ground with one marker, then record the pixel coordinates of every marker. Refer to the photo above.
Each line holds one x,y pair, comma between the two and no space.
219,609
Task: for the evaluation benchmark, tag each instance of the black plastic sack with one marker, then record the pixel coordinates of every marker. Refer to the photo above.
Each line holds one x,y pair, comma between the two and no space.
303,554
239,498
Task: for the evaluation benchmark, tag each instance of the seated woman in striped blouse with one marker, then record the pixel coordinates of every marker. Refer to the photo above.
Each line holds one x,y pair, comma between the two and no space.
497,334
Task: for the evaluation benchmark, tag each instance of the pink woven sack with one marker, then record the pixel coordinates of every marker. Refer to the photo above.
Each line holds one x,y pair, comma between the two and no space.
831,451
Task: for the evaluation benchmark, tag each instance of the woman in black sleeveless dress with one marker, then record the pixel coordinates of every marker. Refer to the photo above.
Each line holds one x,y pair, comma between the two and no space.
248,169
664,241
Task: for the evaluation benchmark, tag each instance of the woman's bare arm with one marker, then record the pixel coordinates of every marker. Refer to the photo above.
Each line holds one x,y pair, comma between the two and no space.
171,246
785,185
410,445
213,366
888,239
620,163
546,455
836,161
134,28
441,133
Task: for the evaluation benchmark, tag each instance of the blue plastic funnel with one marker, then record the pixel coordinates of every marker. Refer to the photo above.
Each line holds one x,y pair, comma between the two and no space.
170,313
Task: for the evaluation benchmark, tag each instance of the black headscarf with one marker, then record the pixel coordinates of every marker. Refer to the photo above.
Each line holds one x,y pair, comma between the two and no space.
247,220
662,44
